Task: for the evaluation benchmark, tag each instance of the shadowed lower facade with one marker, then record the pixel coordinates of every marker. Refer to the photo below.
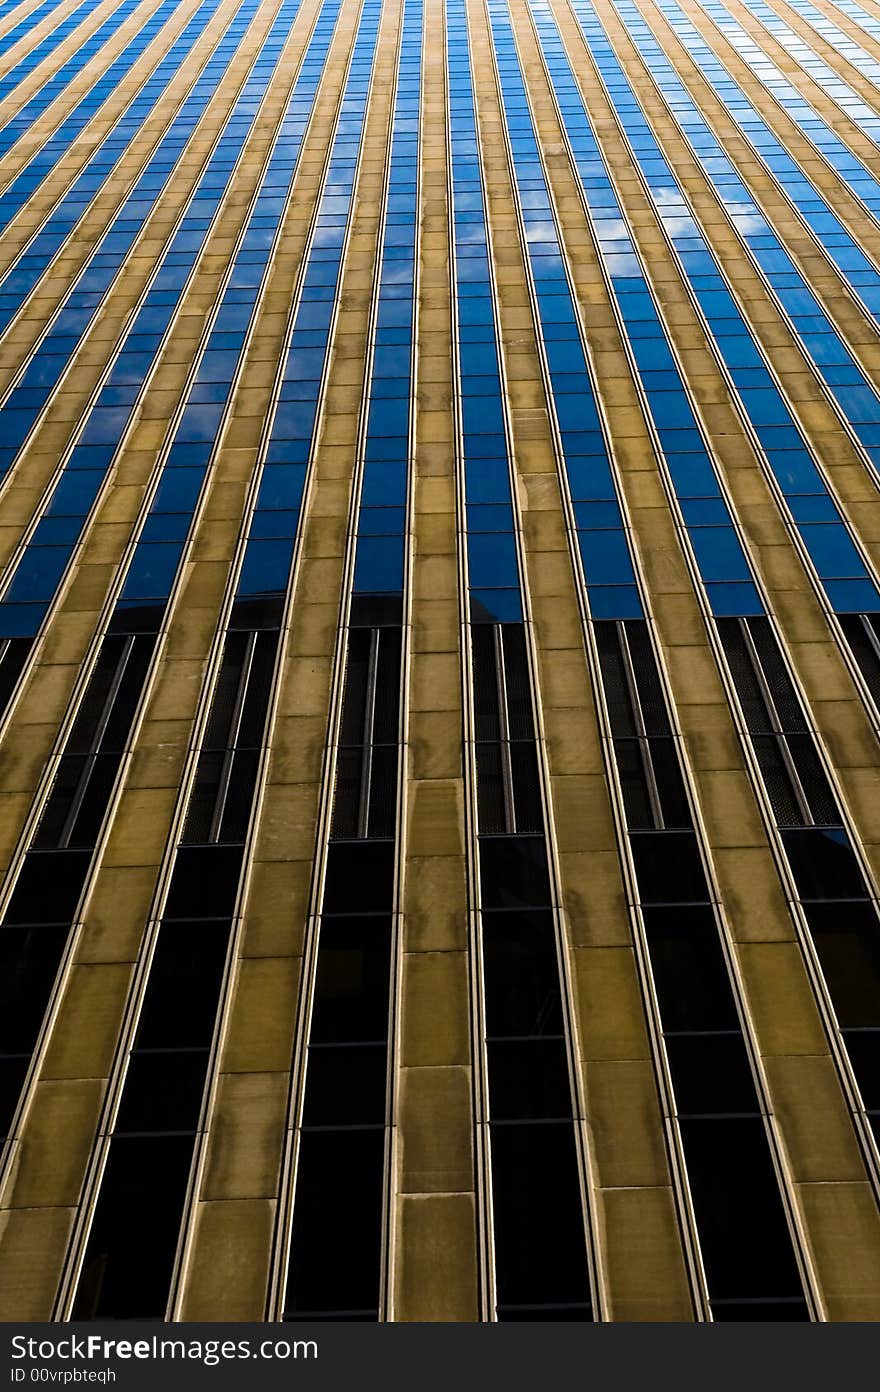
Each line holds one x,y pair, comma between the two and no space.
440,660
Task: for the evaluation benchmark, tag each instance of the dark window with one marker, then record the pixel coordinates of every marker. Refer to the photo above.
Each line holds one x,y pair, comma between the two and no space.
791,768
540,1248
711,1074
83,785
763,685
501,676
13,1069
346,1084
180,1005
29,961
48,887
862,632
668,867
824,864
14,653
739,1210
204,882
226,774
365,802
508,787
847,939
863,1047
336,1239
77,801
513,872
508,780
130,1254
521,974
528,1079
163,1091
352,980
360,877
689,970
107,708
647,760
633,689
760,1311
653,790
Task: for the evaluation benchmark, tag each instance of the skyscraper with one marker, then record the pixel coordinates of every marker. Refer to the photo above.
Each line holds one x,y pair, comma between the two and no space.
440,659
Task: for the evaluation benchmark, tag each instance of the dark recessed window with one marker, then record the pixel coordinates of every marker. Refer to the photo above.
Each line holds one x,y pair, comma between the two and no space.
513,872
346,1084
711,1074
360,877
204,882
163,1091
689,970
540,1246
180,1006
336,1235
29,961
521,974
528,1079
352,979
848,945
130,1254
824,864
863,635
863,1047
668,867
790,1311
48,886
739,1209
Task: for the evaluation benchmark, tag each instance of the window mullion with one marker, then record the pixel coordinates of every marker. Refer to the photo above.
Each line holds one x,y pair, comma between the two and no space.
504,732
644,743
82,786
368,734
223,782
777,728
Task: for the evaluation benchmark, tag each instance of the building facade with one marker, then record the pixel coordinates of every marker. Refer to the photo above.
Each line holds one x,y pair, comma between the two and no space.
440,659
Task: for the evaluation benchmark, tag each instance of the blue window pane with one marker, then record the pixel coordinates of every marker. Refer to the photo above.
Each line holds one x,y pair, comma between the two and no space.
381,521
378,565
38,573
495,606
178,490
166,526
152,570
719,554
615,602
489,517
734,599
487,480
281,486
20,620
832,551
384,483
796,472
492,559
75,492
278,522
597,515
606,558
265,567
853,596
56,531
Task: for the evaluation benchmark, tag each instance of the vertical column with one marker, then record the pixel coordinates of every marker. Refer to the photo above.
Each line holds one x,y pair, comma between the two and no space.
434,1250
241,1214
641,1272
341,1143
